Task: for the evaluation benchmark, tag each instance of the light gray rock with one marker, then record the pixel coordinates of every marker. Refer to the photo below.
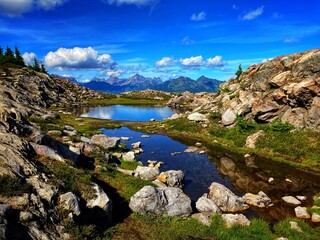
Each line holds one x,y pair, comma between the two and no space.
226,200
161,201
136,145
146,173
204,204
105,141
204,217
44,190
291,200
228,117
252,139
70,202
54,133
129,156
46,151
295,226
101,204
301,212
315,217
86,140
197,117
125,139
233,219
261,200
172,178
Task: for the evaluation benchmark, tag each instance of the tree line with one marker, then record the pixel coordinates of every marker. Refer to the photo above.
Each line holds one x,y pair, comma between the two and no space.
14,58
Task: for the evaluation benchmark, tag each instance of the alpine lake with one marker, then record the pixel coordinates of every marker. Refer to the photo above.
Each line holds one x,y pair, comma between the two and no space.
240,174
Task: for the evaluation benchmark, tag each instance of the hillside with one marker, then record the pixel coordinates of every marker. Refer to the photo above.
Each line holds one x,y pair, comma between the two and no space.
285,88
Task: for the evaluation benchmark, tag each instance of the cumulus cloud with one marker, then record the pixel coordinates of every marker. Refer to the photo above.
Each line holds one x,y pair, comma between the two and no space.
215,62
131,2
253,14
166,62
29,58
14,8
78,58
196,17
192,62
198,61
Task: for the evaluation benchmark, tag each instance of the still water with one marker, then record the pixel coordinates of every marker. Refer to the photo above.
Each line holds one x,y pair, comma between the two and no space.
239,174
129,113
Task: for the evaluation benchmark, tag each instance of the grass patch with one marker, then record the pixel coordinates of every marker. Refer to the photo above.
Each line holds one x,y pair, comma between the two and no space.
74,180
146,226
13,186
183,124
308,233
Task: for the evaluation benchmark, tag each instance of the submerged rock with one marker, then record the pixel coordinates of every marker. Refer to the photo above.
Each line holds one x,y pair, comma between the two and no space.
261,200
291,200
161,201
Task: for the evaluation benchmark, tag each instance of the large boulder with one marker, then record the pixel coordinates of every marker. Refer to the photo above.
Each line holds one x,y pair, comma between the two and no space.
146,173
228,117
226,200
46,151
129,156
204,204
172,178
105,141
70,202
100,206
161,201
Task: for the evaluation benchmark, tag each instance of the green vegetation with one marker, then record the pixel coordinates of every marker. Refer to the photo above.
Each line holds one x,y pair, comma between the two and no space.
16,60
13,186
238,72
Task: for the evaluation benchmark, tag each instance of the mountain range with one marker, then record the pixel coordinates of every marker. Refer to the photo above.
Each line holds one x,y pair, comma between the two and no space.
138,82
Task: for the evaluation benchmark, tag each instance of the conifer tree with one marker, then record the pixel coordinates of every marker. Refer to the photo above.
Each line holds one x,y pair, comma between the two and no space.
238,72
18,57
36,66
9,56
43,69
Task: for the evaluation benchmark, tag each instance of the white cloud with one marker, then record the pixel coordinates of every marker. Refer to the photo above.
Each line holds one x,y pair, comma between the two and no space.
14,8
29,58
192,62
131,2
49,4
253,14
290,40
198,61
215,62
114,73
235,7
187,41
166,62
78,58
201,16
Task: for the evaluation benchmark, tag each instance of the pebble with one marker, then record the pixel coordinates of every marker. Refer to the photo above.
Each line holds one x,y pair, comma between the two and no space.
271,180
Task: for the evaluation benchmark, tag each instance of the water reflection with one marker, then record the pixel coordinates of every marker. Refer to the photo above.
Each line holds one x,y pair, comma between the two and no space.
128,113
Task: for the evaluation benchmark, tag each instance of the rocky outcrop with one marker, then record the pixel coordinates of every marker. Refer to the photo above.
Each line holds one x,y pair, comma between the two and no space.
285,88
172,178
161,201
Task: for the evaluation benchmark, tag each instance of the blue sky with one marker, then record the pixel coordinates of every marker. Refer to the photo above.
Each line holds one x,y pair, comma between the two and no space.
163,38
